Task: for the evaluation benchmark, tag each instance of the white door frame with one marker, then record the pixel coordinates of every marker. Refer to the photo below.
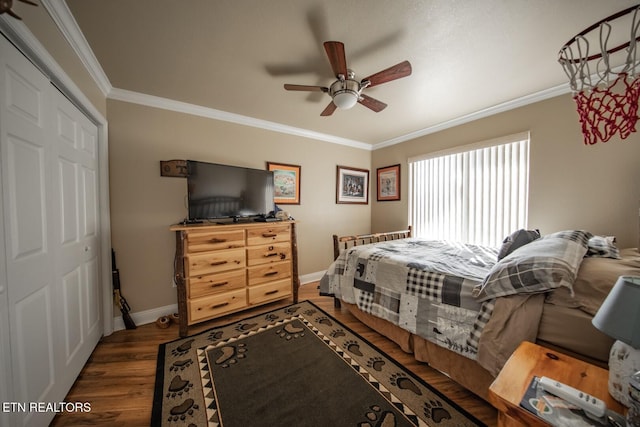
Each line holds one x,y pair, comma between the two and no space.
18,33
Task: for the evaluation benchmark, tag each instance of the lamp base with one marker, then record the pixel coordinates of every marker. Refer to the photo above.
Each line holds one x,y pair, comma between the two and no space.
624,361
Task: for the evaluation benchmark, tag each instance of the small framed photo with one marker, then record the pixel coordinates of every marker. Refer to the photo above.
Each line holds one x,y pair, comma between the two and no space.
286,180
352,185
388,183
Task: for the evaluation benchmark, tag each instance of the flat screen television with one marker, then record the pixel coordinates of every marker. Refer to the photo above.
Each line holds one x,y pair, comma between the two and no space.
217,191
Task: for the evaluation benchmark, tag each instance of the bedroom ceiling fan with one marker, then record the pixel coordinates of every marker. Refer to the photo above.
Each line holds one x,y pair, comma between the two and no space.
346,91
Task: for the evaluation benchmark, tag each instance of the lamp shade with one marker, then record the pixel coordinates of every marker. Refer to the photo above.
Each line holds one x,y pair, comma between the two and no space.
619,314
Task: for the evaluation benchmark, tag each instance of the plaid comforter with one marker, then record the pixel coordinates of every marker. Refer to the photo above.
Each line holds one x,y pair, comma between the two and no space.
423,286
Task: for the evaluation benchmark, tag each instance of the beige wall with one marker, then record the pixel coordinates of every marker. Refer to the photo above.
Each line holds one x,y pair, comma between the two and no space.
144,204
46,31
596,187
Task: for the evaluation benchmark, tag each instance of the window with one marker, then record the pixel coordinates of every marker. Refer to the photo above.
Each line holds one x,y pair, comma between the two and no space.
474,194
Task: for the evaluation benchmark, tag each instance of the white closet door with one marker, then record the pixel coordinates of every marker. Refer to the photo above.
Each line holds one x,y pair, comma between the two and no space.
29,238
49,214
77,238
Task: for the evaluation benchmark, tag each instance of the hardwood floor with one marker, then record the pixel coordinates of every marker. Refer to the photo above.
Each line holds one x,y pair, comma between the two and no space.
118,379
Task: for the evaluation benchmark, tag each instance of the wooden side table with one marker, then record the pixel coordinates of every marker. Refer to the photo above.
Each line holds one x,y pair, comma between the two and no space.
529,360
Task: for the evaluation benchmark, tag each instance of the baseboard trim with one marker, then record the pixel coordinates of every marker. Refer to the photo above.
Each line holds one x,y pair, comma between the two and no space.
150,316
145,317
312,277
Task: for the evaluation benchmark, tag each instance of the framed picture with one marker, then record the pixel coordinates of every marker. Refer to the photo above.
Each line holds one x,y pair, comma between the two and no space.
388,183
352,185
286,180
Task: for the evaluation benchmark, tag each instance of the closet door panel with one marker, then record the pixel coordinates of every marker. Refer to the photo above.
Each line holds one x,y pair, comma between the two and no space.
35,348
78,249
26,190
92,313
72,309
27,199
68,202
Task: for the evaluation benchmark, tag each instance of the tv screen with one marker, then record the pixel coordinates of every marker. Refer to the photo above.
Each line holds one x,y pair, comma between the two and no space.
221,191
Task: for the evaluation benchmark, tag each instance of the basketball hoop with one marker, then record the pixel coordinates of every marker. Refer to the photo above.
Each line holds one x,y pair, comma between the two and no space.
605,86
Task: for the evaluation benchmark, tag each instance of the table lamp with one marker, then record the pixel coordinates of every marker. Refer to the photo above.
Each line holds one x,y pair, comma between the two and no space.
619,317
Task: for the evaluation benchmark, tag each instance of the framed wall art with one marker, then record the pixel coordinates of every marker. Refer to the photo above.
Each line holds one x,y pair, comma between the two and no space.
388,183
352,185
286,180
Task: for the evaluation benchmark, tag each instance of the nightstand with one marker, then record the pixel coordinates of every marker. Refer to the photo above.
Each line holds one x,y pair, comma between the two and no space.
529,360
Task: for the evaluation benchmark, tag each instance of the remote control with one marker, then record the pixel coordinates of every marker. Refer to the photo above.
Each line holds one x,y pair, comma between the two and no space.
592,405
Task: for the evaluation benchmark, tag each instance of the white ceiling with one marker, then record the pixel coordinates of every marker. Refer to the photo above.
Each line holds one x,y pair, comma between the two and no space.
469,57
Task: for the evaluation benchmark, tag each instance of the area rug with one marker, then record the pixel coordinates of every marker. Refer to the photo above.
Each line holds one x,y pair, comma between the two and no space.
295,366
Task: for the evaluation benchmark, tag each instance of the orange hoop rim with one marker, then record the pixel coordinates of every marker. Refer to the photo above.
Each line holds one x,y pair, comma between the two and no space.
593,27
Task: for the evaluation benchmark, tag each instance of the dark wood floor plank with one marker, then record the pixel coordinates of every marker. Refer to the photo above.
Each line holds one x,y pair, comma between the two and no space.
118,380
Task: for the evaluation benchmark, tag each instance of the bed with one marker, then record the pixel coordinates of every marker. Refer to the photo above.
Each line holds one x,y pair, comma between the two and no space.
464,308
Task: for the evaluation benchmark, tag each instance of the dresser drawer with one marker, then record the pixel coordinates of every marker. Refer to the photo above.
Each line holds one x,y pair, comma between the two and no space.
200,241
270,291
269,253
269,272
215,305
215,283
268,234
213,262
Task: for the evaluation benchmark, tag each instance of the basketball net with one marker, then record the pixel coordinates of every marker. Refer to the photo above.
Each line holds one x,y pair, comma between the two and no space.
606,99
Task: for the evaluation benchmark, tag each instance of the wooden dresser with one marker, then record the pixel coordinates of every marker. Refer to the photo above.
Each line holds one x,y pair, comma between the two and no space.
222,269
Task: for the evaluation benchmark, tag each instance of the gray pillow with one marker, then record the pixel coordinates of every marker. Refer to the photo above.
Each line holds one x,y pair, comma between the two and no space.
544,264
603,247
517,239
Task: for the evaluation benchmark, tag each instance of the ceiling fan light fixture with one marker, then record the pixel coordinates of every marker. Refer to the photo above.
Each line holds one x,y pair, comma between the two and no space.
345,99
345,93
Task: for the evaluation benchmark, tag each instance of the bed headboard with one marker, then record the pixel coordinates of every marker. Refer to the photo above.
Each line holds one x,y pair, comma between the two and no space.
345,242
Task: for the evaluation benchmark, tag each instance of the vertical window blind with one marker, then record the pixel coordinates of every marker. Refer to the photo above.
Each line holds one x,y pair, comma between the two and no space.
477,194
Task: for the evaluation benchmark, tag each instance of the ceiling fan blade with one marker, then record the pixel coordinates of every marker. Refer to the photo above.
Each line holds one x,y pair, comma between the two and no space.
329,110
372,103
397,71
337,58
306,88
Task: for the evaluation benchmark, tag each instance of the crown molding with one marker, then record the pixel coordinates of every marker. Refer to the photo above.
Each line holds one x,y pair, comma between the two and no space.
211,113
500,108
61,15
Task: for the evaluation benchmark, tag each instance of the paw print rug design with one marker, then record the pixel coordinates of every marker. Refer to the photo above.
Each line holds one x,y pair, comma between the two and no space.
295,366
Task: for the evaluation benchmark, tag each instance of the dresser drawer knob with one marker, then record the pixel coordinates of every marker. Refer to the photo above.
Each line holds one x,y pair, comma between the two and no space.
271,273
270,254
271,292
218,263
269,234
217,240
